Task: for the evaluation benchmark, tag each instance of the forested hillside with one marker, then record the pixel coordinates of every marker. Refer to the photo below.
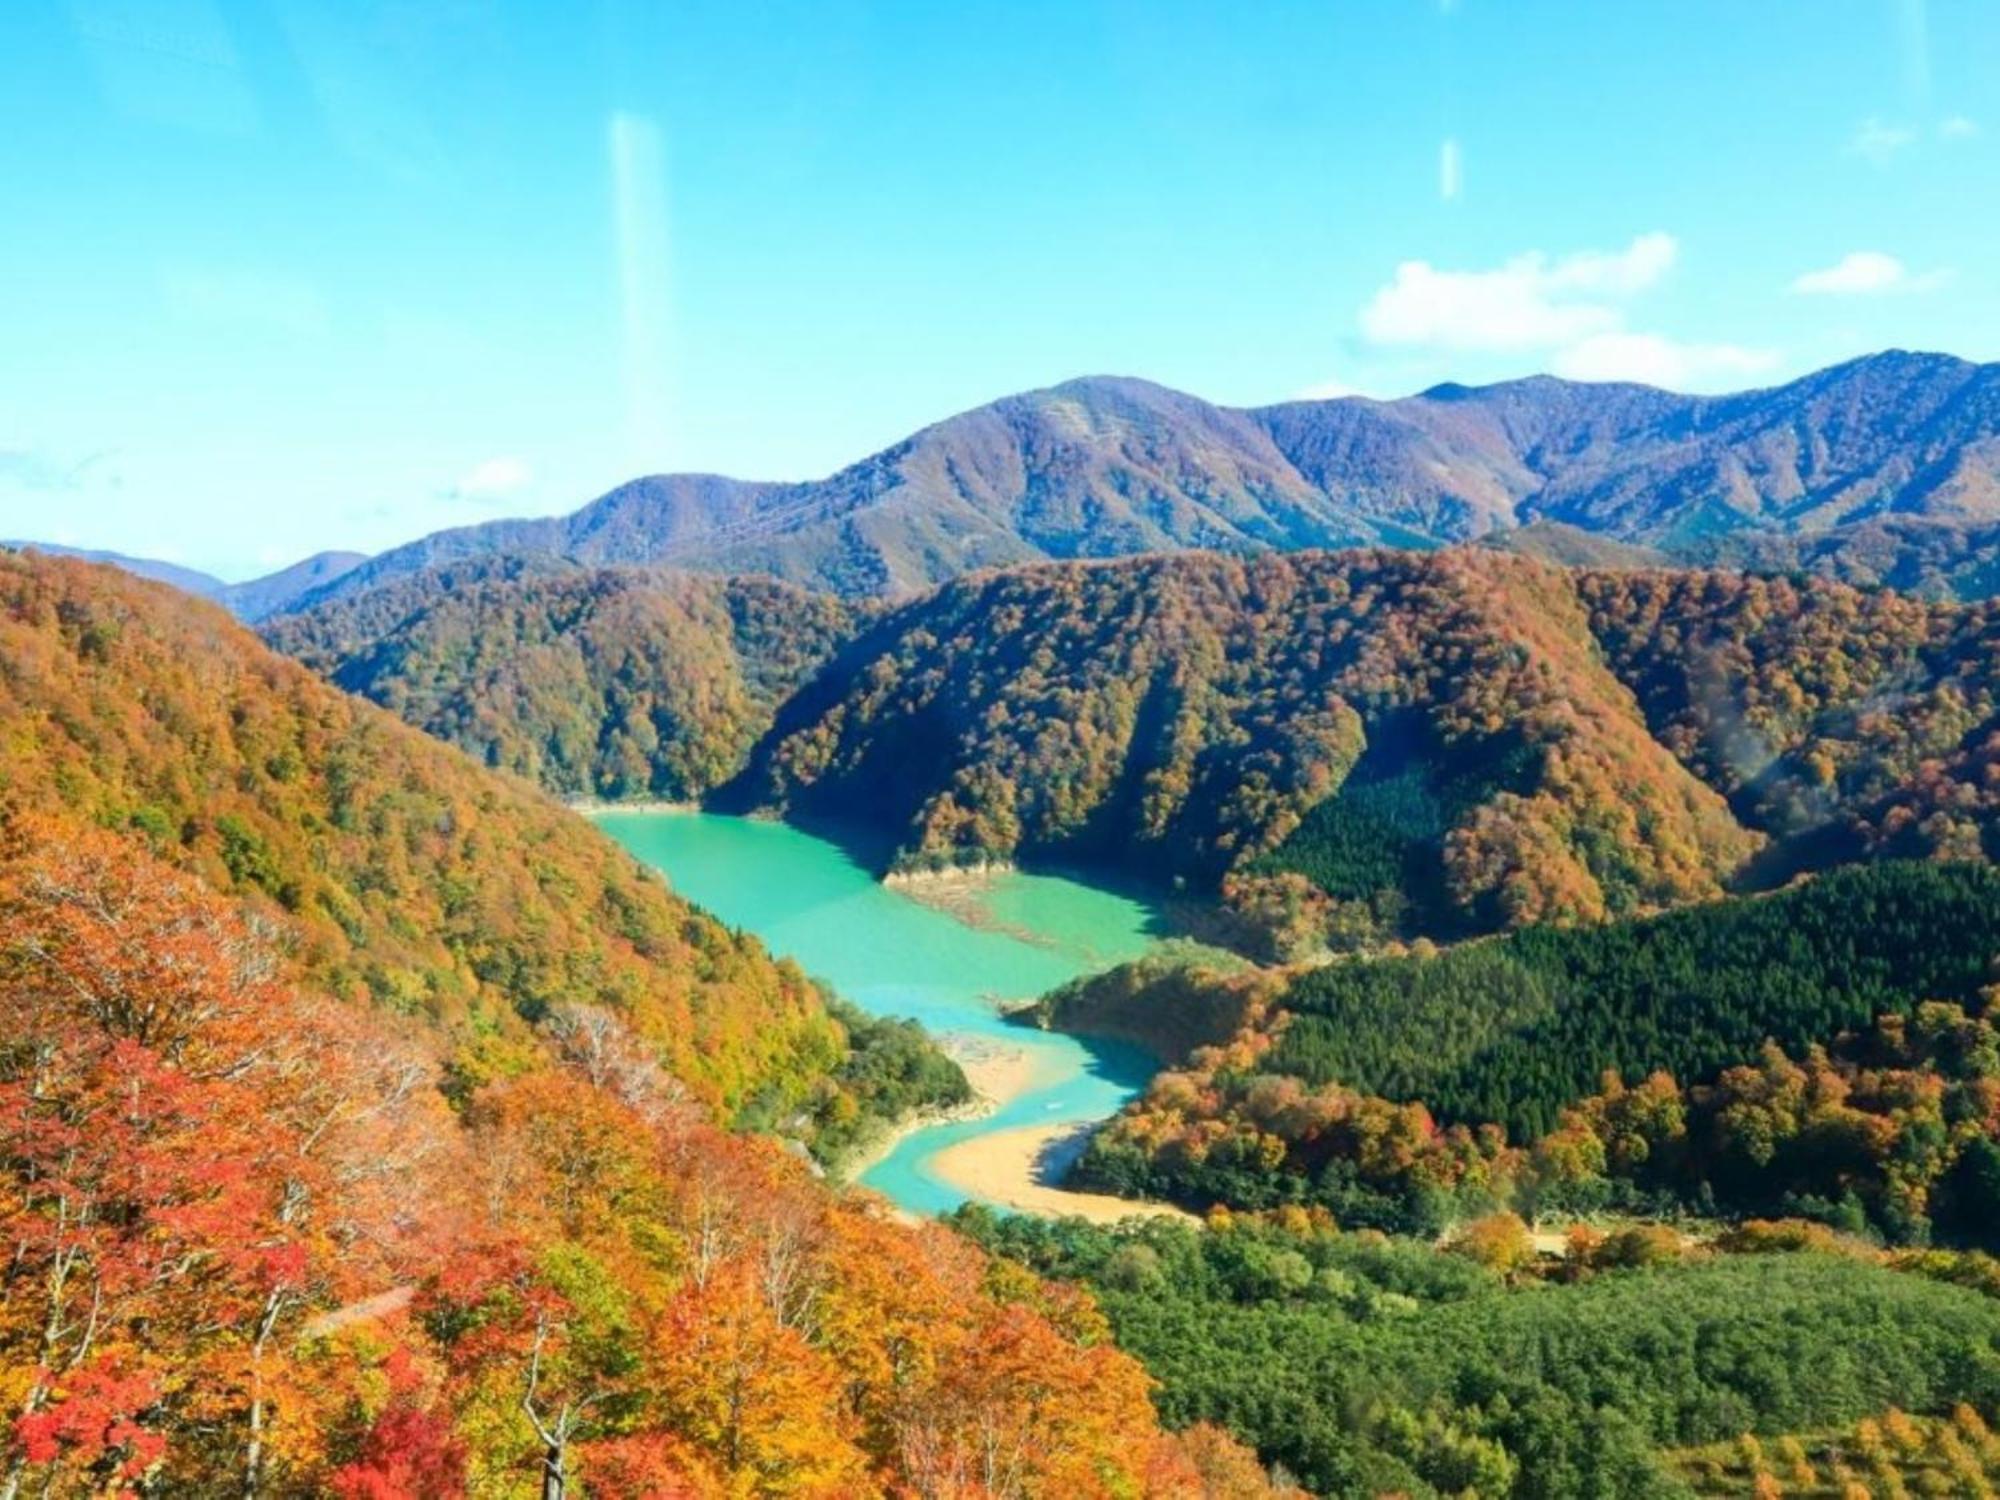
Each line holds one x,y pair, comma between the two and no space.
1349,749
253,1250
1372,1367
614,683
1381,741
356,1141
1826,1050
251,600
1843,722
1516,1029
411,880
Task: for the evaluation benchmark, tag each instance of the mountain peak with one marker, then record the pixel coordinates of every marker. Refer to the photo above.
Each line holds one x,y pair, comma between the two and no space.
1115,388
1106,465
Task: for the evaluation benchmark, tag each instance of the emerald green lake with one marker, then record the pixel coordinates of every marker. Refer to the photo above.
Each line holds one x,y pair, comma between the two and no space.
892,955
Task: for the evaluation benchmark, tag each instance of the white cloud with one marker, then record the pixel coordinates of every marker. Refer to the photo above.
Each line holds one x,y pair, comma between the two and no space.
1569,311
1451,170
1532,301
1653,359
1633,269
1856,271
1958,128
1878,141
1866,273
492,479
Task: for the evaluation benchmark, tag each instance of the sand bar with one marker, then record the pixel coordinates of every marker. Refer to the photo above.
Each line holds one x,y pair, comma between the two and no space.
1019,1169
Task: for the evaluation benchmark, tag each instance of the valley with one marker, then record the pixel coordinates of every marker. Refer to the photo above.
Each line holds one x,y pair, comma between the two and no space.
1089,751
882,949
1606,945
1602,939
1590,946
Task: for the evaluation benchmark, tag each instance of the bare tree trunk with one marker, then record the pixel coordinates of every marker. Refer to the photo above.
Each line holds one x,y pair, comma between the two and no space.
253,1454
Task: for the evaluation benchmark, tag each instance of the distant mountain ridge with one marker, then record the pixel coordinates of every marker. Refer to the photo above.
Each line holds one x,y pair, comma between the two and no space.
187,580
274,593
1897,452
254,600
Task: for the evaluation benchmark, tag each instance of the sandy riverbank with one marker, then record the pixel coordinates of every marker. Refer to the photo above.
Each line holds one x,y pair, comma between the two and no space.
1020,1168
592,807
997,1072
1017,1169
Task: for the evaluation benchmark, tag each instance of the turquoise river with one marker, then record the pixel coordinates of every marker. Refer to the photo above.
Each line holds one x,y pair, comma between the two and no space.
810,900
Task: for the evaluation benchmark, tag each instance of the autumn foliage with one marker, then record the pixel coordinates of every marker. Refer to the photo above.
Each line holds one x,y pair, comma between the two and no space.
609,682
1830,1050
252,1249
358,1137
1183,715
1349,748
407,878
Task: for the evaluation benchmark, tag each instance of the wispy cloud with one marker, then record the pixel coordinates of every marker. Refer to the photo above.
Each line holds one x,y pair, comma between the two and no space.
1530,301
1451,169
1654,359
1880,141
1571,310
1862,273
1958,128
492,479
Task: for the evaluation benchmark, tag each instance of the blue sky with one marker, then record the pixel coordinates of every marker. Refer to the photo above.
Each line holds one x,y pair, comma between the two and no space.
279,275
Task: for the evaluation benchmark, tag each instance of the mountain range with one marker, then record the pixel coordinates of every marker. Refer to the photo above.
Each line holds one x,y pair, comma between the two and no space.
1885,469
1897,454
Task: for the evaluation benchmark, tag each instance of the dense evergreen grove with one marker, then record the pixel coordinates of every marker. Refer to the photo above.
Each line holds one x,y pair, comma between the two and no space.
1516,1029
1832,1050
1367,1366
614,683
